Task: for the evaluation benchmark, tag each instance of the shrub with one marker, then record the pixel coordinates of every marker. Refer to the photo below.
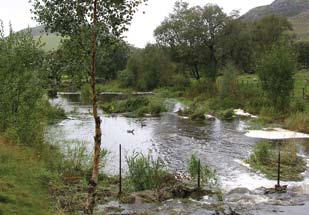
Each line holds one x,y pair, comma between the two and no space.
145,172
180,82
139,106
86,94
298,105
228,86
275,71
227,114
127,78
202,86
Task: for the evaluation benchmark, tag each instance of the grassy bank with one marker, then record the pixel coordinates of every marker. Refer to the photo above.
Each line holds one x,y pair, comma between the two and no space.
264,159
138,106
24,180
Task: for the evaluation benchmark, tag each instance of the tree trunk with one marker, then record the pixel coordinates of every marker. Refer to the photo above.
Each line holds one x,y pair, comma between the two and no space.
196,72
97,138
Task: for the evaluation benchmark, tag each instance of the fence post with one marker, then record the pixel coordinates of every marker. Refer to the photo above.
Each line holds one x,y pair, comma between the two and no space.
304,95
120,178
199,173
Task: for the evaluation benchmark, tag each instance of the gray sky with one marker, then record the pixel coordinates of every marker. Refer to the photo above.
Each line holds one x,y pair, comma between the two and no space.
141,30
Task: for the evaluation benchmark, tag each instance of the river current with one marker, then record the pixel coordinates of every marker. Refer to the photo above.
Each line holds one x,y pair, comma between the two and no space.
219,144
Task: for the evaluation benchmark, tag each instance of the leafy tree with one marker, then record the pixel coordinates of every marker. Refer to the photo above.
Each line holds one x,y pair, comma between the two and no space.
275,71
21,88
303,53
237,44
112,58
270,30
192,35
147,69
87,19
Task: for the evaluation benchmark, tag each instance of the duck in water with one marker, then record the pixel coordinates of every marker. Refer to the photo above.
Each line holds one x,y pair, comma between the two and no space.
130,131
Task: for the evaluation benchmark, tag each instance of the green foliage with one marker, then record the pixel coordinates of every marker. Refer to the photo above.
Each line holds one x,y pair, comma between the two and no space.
179,82
23,177
145,172
77,161
202,87
68,18
54,114
298,105
262,153
112,58
303,53
192,36
238,48
270,30
276,70
138,106
148,69
227,114
228,85
208,176
264,158
22,106
298,121
127,78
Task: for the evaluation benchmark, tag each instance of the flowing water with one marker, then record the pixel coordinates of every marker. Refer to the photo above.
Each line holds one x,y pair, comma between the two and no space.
221,145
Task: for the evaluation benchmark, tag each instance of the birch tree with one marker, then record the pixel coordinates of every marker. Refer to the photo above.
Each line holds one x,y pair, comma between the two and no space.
87,18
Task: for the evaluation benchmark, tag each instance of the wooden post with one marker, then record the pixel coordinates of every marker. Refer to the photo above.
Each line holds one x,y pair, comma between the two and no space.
199,173
304,95
120,178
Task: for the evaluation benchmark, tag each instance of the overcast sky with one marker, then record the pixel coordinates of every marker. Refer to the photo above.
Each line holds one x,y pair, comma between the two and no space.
141,30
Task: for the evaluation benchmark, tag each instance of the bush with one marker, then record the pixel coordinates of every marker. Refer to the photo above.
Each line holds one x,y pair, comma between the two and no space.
127,78
298,105
54,114
138,106
202,86
145,172
228,86
180,82
227,114
275,71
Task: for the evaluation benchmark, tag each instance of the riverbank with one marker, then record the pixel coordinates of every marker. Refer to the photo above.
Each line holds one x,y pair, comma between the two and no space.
24,182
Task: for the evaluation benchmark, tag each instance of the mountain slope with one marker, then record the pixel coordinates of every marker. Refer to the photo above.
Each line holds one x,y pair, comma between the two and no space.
297,12
287,8
301,24
51,40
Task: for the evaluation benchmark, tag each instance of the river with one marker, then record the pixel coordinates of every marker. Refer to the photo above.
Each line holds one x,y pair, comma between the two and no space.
221,145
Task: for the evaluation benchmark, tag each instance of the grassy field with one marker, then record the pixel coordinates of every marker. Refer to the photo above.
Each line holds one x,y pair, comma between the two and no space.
301,82
22,187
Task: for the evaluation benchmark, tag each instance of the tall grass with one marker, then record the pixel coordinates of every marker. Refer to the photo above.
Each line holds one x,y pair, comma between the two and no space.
145,172
264,158
208,176
298,121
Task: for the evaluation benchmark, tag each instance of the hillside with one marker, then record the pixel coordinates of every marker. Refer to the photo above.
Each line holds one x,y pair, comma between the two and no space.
287,8
297,12
51,40
301,24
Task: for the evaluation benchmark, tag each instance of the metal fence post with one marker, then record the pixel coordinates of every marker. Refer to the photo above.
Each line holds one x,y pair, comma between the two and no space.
120,178
199,173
